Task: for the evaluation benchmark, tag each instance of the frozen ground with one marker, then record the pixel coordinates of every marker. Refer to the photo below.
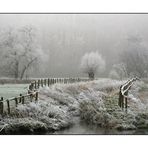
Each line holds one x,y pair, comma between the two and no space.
12,90
60,105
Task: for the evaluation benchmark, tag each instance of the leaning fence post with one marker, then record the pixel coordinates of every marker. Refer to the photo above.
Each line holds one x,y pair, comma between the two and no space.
8,106
1,106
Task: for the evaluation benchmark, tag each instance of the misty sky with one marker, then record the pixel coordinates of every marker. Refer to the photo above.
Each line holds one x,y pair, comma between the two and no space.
65,38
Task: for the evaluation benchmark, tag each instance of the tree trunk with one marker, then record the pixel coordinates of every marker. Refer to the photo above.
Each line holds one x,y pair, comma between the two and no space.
16,73
26,67
91,75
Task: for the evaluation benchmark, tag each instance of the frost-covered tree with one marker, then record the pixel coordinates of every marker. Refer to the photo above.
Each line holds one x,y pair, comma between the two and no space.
91,63
120,70
114,75
20,51
135,57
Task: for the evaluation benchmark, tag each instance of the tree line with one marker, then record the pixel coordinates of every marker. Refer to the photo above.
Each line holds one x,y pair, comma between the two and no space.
132,61
22,53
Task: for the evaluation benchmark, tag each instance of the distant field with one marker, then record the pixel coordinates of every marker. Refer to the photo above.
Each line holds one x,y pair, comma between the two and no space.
12,90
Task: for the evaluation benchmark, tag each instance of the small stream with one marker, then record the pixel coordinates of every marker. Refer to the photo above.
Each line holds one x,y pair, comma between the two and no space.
81,128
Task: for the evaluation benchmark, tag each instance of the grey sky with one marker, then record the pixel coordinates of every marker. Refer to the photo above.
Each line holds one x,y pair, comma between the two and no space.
66,37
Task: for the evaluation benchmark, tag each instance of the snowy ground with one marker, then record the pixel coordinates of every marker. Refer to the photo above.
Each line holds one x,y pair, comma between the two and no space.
12,90
94,102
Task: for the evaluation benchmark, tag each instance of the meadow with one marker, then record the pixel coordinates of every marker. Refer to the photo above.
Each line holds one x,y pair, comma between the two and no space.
12,90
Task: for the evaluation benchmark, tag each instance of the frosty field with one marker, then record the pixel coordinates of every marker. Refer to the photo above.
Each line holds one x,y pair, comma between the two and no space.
79,108
12,90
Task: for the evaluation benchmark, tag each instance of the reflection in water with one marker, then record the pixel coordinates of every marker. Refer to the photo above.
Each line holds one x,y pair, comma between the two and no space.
84,129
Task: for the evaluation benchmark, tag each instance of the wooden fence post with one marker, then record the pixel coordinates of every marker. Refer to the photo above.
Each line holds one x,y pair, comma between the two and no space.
32,84
38,83
23,99
64,81
45,82
48,82
1,105
126,104
120,97
16,102
35,85
20,100
36,96
78,79
41,82
57,80
31,97
122,103
8,106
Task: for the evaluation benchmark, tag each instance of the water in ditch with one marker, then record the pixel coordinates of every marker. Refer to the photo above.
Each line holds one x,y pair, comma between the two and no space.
81,128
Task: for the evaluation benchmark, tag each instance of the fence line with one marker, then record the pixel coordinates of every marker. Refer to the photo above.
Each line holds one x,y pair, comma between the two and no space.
123,94
32,94
50,81
16,101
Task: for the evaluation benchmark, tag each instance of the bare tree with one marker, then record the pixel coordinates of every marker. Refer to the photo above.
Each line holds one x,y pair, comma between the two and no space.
135,57
113,74
91,63
119,70
20,51
11,53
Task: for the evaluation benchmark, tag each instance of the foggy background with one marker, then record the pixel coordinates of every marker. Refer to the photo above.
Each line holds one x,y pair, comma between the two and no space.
64,38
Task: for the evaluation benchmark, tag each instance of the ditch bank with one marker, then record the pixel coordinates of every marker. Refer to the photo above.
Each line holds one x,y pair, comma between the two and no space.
95,103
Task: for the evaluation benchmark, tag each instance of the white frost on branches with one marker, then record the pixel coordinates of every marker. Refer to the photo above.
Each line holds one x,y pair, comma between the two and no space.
92,62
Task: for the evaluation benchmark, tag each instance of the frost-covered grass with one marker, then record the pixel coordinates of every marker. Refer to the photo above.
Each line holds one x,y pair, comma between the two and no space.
96,102
109,115
12,90
32,117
